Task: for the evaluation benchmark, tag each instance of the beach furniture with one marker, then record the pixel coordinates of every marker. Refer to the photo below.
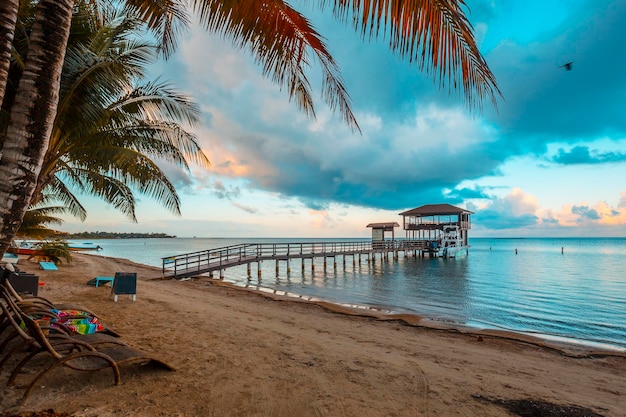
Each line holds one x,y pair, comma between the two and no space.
63,351
125,283
100,280
74,351
29,302
24,283
48,266
9,258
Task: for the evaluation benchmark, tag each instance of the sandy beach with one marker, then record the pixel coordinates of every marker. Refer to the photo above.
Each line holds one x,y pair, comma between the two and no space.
240,353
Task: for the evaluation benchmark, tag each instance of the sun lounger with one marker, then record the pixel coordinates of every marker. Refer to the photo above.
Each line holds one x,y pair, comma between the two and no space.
34,304
69,350
48,266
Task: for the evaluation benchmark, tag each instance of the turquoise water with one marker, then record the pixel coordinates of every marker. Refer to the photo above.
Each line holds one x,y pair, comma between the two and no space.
564,288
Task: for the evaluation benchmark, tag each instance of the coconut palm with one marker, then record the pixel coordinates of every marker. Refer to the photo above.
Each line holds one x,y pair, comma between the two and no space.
37,220
8,19
433,33
35,225
108,131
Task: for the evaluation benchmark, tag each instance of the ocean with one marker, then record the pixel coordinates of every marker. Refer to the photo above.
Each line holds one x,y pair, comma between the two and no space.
571,289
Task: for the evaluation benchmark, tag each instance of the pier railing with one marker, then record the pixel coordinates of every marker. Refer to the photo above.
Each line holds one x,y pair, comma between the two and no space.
221,258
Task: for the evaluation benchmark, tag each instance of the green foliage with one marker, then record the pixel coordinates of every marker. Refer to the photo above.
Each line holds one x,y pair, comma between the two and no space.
55,251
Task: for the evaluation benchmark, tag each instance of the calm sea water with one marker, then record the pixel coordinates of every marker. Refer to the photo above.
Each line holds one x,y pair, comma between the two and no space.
573,289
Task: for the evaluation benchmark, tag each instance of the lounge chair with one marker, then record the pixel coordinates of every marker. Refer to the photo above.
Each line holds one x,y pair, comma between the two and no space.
37,305
73,351
68,352
48,266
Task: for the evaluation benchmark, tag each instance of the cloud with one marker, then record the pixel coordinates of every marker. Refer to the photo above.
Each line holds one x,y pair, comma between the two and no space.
585,212
222,191
583,155
514,211
419,144
247,209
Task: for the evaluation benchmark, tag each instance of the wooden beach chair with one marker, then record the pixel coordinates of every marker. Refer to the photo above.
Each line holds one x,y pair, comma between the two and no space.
36,304
70,350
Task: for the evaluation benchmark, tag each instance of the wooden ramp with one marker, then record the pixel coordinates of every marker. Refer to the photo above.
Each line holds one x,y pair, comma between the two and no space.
208,261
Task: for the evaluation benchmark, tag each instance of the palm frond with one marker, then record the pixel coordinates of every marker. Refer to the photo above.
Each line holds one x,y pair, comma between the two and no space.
280,39
58,191
157,100
435,34
111,190
166,18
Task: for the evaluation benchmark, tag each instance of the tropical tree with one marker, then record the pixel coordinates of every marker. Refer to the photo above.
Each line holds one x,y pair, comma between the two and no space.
8,19
32,115
35,225
110,132
433,33
37,220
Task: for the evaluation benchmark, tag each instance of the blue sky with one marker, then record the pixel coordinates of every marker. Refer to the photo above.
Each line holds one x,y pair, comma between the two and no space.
550,162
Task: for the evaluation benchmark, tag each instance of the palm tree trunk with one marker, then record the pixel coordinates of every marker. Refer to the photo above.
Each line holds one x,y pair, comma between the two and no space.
32,115
8,18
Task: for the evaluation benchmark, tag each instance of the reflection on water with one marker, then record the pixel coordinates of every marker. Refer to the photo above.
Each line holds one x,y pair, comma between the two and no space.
572,288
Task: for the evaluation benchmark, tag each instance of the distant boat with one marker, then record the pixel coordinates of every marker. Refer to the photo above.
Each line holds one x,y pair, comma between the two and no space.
25,247
31,247
83,246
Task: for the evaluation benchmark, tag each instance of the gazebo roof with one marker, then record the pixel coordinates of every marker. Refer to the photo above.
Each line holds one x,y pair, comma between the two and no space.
435,209
386,226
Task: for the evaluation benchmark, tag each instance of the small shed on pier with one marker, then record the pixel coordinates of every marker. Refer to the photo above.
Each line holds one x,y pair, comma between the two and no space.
379,230
427,222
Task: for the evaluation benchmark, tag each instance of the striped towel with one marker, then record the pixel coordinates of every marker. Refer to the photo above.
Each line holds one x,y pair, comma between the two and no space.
76,321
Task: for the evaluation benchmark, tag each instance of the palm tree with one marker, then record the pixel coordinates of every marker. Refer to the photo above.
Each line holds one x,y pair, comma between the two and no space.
35,226
32,114
108,130
433,33
8,19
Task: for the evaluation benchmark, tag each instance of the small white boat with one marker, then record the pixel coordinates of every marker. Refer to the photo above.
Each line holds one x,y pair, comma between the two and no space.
83,246
452,244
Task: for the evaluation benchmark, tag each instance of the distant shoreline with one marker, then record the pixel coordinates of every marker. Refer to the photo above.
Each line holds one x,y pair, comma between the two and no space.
112,235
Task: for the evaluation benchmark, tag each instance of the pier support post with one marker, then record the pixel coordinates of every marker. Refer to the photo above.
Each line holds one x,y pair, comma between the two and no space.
248,269
221,273
259,269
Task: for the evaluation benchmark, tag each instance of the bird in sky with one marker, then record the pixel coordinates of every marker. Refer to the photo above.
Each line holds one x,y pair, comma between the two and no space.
567,66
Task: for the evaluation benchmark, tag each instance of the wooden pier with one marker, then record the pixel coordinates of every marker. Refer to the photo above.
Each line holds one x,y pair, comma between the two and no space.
219,259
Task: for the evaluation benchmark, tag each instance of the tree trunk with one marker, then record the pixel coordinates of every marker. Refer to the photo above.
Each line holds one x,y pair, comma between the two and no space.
32,115
8,18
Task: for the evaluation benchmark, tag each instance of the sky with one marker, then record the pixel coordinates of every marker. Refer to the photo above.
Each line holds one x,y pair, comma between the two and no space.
550,161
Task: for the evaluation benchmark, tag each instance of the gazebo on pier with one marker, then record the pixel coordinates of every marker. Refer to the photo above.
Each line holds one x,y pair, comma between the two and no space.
380,231
426,223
